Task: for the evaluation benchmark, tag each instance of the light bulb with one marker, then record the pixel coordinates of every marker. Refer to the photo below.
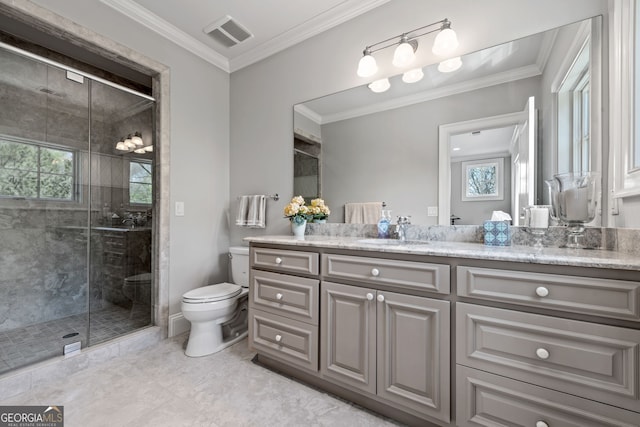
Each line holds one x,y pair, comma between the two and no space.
404,54
379,86
450,65
121,146
413,76
445,43
137,139
367,66
128,142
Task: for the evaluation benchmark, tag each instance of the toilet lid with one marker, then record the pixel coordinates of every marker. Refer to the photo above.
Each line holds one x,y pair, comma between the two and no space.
212,293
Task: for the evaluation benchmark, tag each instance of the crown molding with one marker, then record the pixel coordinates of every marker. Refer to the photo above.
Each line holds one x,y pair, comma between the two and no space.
305,111
153,22
428,95
316,25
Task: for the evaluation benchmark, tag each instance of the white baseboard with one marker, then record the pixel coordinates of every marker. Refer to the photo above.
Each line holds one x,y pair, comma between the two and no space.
178,324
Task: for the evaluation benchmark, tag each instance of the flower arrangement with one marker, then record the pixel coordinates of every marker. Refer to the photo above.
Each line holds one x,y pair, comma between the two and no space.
319,210
297,211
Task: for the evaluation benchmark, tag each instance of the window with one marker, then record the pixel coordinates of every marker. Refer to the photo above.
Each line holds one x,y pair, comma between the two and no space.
36,171
482,180
574,122
140,183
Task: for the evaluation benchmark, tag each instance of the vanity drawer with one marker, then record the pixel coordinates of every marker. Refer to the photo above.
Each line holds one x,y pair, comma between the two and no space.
403,274
601,297
286,339
284,260
484,399
290,296
585,359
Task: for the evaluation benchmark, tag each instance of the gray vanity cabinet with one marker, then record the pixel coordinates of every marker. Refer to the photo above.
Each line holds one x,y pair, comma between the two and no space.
544,369
393,345
283,307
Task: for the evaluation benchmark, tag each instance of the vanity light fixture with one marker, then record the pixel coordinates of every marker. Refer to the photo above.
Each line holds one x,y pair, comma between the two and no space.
450,65
444,44
134,143
380,86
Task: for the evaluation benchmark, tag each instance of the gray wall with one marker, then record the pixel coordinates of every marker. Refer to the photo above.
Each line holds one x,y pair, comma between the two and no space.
263,94
392,156
199,163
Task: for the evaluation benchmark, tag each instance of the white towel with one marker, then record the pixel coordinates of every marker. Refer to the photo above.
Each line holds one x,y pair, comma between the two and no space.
362,213
251,211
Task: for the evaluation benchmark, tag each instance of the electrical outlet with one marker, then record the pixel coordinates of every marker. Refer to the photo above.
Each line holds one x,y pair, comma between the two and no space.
432,211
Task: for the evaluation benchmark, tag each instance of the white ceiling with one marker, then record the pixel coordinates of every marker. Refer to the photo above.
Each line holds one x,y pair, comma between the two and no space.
274,24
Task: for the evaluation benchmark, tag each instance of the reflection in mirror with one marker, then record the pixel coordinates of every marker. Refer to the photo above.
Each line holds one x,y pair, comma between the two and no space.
387,146
306,167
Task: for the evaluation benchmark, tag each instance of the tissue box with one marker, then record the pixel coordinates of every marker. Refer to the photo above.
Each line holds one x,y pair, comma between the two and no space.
497,233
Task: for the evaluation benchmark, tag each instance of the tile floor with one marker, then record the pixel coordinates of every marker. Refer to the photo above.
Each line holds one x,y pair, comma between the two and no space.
34,343
159,386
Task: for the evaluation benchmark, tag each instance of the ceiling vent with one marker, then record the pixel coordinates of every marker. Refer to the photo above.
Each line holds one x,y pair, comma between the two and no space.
227,31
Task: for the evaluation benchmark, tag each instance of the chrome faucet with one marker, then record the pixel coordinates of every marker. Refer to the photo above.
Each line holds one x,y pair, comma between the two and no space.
401,227
129,221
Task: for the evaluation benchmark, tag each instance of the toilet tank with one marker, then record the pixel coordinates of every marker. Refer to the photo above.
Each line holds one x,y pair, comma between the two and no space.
239,256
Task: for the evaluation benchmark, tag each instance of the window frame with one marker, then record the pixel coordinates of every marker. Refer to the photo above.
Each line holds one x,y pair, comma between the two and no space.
75,175
151,185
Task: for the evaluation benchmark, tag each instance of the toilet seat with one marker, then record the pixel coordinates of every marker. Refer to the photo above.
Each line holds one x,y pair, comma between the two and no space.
211,293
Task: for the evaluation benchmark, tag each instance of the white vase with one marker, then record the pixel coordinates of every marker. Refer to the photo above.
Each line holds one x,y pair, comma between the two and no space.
298,229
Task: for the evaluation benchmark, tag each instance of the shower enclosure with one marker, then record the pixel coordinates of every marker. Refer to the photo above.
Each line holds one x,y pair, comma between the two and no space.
75,211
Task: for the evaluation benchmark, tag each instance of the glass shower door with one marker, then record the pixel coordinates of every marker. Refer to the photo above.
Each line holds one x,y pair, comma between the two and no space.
121,209
44,134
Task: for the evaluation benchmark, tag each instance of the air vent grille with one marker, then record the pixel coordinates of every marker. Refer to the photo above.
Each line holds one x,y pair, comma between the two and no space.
227,31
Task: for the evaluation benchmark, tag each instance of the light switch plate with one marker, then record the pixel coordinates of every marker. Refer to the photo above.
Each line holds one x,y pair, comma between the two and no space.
432,211
179,208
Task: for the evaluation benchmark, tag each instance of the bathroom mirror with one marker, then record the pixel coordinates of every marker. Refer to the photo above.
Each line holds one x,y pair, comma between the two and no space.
391,146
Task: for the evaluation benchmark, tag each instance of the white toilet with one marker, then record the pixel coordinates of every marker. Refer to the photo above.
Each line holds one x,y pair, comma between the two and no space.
218,313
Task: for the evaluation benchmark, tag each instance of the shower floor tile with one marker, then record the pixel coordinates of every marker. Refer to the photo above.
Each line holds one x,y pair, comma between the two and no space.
35,343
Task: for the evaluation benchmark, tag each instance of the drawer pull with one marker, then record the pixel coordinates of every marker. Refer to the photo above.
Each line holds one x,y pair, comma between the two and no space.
279,296
278,260
541,291
370,296
543,354
375,272
541,424
381,298
278,338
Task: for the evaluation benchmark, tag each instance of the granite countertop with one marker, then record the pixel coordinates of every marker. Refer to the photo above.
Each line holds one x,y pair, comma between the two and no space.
596,258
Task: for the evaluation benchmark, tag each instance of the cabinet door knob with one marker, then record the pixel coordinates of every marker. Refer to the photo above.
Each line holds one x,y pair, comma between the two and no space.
278,260
278,338
542,353
369,296
541,424
380,297
278,296
375,272
541,291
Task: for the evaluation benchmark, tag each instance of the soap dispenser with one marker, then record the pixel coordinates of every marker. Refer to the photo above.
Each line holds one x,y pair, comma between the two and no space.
383,224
